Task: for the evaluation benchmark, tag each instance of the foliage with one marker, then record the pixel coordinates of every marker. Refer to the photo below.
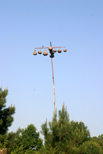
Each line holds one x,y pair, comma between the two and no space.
18,150
28,140
81,129
91,147
3,141
99,140
44,150
6,117
63,135
12,138
100,137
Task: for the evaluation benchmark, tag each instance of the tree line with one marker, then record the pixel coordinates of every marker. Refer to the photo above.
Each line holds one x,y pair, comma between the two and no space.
61,136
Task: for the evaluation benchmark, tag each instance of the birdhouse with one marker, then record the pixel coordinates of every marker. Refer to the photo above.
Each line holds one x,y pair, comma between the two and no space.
50,48
39,52
59,50
34,53
65,50
54,50
45,53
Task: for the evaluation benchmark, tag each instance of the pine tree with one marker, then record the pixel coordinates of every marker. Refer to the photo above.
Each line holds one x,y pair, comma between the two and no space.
57,134
6,117
63,135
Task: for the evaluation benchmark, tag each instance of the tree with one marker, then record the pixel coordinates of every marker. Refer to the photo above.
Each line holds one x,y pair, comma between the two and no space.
100,137
63,135
99,140
90,147
6,114
82,128
12,140
29,140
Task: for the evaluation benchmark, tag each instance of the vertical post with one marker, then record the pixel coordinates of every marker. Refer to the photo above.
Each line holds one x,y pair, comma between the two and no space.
53,82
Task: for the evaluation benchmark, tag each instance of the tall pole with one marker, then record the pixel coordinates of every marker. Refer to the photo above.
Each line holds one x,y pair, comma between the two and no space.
51,56
53,82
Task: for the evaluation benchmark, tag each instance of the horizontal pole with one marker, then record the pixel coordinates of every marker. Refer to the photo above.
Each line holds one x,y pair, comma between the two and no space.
48,47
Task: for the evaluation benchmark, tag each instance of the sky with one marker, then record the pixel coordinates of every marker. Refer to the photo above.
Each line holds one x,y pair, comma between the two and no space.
78,73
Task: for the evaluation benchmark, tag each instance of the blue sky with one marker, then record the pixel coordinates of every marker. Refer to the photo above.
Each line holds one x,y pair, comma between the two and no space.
76,24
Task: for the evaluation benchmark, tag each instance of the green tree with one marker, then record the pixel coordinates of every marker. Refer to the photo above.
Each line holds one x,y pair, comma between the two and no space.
99,140
80,127
18,150
29,139
100,137
63,135
90,147
12,140
6,114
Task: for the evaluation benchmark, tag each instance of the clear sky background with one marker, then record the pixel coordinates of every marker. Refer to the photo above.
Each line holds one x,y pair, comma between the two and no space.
76,24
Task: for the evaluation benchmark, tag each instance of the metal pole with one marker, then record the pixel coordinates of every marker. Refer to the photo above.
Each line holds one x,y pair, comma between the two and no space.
53,82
